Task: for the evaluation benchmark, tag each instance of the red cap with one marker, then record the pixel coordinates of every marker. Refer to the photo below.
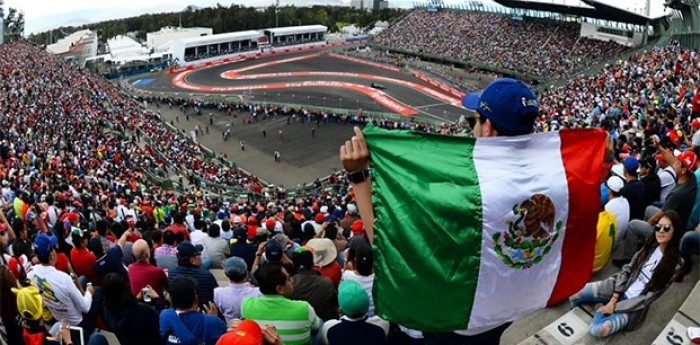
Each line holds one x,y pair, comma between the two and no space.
695,123
270,224
689,160
320,218
247,333
357,227
660,158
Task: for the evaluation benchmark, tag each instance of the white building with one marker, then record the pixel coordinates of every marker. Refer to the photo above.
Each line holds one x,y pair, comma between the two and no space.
64,44
350,30
78,46
379,26
162,39
362,4
369,5
122,47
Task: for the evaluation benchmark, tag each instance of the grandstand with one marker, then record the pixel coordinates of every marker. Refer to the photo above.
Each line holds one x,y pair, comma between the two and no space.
561,40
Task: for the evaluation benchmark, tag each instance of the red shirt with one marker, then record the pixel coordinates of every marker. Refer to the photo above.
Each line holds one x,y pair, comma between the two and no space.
142,274
135,236
83,262
696,103
62,263
332,271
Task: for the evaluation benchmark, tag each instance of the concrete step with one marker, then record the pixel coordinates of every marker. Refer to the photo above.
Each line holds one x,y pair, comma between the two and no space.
688,315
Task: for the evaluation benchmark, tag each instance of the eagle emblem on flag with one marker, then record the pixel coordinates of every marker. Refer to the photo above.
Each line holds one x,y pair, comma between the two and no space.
530,235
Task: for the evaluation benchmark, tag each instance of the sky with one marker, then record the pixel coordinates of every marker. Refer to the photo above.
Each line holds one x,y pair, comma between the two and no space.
44,14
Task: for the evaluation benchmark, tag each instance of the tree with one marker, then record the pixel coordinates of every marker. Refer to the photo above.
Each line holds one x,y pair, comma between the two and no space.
13,22
234,18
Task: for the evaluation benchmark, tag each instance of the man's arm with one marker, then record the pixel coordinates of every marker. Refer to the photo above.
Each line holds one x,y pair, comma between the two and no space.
10,232
354,155
122,240
668,155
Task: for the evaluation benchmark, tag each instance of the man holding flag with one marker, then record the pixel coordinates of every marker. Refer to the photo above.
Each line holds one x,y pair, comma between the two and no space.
507,219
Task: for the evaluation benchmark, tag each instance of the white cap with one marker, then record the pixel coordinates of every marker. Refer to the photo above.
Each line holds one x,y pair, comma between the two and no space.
615,183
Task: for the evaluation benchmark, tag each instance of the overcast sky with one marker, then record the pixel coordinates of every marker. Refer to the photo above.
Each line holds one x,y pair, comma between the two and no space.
38,11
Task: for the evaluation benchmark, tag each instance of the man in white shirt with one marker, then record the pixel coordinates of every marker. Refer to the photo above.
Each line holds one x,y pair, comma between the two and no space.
228,299
667,176
198,235
618,205
62,295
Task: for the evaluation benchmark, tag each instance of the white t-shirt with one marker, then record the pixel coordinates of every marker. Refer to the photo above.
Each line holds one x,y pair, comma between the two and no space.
645,275
620,208
696,139
366,282
668,181
60,295
197,237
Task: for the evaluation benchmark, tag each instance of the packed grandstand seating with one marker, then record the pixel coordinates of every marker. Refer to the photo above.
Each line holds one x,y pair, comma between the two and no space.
63,145
549,48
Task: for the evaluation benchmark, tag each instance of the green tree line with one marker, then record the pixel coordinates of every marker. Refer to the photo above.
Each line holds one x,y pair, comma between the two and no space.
230,19
13,22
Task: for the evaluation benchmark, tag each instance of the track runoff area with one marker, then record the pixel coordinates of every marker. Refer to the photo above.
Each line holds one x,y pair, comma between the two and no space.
318,78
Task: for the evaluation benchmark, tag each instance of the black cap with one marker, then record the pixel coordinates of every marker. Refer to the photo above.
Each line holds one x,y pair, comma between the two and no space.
186,250
273,251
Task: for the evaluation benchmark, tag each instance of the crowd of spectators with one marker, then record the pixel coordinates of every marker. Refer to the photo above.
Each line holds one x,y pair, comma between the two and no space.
551,49
78,216
76,210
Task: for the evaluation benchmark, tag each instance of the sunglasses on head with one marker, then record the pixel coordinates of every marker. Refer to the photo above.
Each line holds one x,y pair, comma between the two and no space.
664,227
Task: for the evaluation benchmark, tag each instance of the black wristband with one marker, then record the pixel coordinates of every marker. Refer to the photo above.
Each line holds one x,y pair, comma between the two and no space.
357,176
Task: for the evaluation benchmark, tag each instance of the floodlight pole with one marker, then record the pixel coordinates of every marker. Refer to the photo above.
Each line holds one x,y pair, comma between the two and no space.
277,13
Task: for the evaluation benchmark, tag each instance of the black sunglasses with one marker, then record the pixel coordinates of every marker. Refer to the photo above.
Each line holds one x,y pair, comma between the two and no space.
472,120
665,228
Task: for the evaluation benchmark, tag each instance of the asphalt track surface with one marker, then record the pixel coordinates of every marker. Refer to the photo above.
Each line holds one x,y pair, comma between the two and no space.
304,157
320,80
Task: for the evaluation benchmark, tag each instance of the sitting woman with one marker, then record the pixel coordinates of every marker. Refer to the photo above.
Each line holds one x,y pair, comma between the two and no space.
132,321
629,293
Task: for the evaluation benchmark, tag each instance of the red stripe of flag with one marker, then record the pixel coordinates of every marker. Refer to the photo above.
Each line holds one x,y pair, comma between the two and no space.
582,154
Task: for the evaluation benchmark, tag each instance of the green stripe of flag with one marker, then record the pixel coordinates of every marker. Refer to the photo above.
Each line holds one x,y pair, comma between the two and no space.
427,205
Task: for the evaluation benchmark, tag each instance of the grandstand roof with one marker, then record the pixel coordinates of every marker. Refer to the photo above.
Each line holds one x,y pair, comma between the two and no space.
597,10
294,30
221,38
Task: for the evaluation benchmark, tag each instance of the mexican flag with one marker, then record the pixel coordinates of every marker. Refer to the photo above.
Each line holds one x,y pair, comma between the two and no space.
474,233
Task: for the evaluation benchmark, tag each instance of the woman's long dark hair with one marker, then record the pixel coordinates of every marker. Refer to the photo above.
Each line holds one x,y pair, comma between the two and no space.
666,268
117,293
8,300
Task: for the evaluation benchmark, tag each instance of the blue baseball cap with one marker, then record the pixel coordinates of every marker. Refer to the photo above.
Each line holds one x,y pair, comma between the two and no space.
43,244
508,103
631,165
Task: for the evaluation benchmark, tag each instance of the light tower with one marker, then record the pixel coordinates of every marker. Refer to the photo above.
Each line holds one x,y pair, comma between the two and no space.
277,13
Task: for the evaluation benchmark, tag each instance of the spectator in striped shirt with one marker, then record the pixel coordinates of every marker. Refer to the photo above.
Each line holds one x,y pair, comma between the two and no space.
294,320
